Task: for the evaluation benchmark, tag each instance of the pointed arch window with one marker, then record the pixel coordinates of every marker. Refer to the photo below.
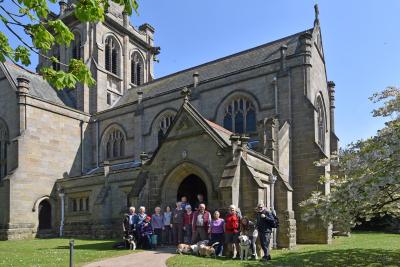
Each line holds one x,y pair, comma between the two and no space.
240,116
321,123
137,77
164,123
76,46
3,149
56,54
115,144
111,55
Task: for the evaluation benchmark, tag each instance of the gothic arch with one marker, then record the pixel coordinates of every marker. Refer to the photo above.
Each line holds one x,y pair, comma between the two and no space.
248,111
321,124
113,53
161,123
76,44
113,142
171,182
137,67
218,113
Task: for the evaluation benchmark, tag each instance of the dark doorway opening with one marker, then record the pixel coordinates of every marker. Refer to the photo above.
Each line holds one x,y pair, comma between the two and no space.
190,187
44,215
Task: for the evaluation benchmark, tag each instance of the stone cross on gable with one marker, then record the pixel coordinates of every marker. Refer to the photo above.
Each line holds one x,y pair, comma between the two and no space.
316,9
186,93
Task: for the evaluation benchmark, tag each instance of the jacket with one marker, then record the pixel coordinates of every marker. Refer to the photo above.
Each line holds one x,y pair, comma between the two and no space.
248,229
264,221
231,224
206,220
177,216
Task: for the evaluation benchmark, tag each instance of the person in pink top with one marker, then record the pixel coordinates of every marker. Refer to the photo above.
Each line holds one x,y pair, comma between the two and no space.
217,232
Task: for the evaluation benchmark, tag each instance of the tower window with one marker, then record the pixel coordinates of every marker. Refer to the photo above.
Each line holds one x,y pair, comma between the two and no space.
111,55
76,46
137,69
240,116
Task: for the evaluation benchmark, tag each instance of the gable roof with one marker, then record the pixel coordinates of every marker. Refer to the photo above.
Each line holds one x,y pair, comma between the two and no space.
223,66
38,86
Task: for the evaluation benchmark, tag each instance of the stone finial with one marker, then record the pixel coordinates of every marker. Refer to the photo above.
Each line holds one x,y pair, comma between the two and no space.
63,7
143,157
106,164
195,79
244,140
234,138
316,11
283,50
23,84
125,19
186,93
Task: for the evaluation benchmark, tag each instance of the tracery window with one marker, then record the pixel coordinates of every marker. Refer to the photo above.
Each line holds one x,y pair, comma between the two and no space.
115,144
164,124
111,55
321,123
240,116
137,69
3,149
76,46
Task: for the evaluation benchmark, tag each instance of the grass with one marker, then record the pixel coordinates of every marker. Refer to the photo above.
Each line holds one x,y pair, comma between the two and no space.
361,249
55,252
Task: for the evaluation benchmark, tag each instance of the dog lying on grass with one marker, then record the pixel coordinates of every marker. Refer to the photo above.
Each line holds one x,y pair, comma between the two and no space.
184,249
208,251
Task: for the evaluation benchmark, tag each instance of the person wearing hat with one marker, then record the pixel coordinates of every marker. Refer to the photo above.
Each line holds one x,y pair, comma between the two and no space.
145,233
187,224
264,223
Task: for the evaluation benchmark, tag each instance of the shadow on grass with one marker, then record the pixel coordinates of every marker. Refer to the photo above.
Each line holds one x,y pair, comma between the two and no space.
345,257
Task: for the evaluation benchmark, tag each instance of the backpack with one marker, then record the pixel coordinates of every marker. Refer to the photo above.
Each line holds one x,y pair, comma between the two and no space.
275,223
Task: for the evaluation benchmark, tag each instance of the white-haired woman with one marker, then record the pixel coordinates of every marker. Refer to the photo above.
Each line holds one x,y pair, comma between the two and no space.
232,231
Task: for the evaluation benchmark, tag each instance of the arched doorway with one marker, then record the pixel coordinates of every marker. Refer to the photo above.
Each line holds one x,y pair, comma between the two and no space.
44,215
190,187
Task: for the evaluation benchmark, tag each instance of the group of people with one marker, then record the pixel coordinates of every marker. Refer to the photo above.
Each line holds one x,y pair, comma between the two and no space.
187,225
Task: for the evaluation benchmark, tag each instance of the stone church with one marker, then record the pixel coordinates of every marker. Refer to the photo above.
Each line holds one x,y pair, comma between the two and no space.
242,129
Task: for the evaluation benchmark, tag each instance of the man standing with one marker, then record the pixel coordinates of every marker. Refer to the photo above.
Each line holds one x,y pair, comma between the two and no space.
133,220
232,231
201,224
264,224
177,223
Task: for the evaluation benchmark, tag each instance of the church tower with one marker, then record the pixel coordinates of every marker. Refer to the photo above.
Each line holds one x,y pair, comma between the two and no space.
118,55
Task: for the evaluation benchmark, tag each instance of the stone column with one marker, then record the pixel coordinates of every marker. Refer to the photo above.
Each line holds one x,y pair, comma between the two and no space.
22,92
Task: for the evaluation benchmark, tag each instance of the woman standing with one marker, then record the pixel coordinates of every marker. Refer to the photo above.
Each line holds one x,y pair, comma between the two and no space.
248,228
157,223
217,233
187,224
232,231
167,229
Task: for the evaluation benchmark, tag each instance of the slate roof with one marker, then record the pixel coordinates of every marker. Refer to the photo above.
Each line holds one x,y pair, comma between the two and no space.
38,86
242,60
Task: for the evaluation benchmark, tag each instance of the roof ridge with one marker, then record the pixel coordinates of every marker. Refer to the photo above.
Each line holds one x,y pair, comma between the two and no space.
13,64
224,58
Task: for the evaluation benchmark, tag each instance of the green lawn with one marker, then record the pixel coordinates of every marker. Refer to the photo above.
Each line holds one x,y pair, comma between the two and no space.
55,252
361,249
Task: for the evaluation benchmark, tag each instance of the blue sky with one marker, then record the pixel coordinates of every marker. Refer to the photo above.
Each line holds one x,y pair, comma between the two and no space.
361,43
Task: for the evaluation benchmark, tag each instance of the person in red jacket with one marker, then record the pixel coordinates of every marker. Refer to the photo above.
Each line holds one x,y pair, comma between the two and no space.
232,231
201,223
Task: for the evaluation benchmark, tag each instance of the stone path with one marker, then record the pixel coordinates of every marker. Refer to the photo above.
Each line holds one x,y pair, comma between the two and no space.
145,258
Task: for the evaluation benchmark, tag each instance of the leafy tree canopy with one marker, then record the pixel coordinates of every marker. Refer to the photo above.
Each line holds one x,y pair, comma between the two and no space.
367,182
35,19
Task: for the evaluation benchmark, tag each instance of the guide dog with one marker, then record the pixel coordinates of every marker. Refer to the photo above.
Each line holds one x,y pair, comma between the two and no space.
244,243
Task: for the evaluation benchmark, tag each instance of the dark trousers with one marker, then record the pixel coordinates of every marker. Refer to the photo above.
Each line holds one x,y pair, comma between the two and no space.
264,240
188,234
218,238
199,234
177,232
158,232
167,237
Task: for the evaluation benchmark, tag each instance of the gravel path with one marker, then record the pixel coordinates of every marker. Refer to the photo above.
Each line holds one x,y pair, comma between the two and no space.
145,258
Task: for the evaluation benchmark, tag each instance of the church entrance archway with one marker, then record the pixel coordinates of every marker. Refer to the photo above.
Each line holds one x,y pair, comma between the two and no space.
189,179
190,187
44,215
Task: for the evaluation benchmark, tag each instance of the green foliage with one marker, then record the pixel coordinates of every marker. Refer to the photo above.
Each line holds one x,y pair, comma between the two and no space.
47,32
367,184
55,252
359,250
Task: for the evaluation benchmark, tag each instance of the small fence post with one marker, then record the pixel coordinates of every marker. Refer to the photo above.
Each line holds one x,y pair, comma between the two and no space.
71,253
